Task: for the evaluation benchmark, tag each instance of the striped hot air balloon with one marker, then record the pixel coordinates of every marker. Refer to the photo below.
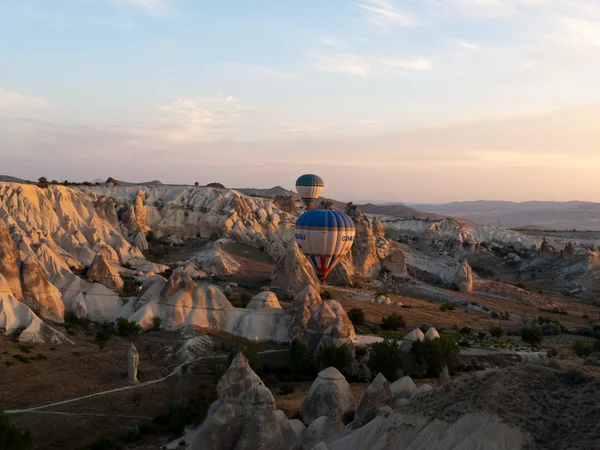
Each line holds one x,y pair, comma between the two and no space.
309,187
324,237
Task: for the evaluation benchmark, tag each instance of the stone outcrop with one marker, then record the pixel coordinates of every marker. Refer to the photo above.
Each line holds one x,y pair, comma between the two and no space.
8,261
464,278
423,389
376,395
215,260
444,377
133,360
294,272
395,262
364,250
245,417
264,299
432,334
404,387
285,203
302,308
38,293
328,325
102,272
330,395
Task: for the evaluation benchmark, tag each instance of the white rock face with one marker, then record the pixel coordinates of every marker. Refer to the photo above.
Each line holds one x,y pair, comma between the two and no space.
328,325
265,299
405,387
245,417
382,299
133,360
330,395
414,335
39,293
191,211
464,277
294,272
376,395
423,389
432,334
214,260
17,317
102,272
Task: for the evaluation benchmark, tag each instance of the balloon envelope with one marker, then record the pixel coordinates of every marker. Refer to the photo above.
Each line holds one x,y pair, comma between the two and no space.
324,237
309,187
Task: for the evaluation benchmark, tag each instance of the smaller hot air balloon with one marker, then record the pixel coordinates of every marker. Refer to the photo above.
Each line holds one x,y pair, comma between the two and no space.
309,187
324,237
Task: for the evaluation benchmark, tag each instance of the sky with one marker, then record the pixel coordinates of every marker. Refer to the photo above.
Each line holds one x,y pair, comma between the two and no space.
408,101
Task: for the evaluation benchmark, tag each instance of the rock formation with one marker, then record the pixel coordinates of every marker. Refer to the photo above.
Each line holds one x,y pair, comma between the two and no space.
423,389
265,299
432,333
133,360
364,249
8,261
404,387
294,272
329,325
330,395
414,335
102,272
464,278
444,377
245,417
376,395
302,308
285,203
39,293
215,260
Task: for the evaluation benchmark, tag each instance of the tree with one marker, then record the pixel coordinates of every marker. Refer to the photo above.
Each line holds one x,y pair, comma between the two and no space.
334,356
532,335
357,316
13,438
392,322
434,354
497,331
43,183
386,358
447,307
301,357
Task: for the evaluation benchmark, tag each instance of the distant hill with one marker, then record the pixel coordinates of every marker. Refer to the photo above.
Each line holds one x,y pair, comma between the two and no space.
10,179
397,210
271,192
111,180
552,215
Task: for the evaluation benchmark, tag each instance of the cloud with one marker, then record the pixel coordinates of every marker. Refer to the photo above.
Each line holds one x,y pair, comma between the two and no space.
385,14
331,41
16,100
366,65
466,45
190,117
263,71
155,8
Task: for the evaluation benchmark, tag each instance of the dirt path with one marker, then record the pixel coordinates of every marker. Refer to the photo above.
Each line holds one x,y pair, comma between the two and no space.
176,371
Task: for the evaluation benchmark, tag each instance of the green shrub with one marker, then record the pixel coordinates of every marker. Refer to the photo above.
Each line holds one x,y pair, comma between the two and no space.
357,316
497,331
218,370
132,434
102,337
167,273
287,388
24,349
520,285
246,297
105,443
552,352
156,323
583,348
149,428
334,356
130,286
447,307
13,438
392,322
574,377
21,358
301,357
326,295
532,335
465,330
126,327
386,358
436,353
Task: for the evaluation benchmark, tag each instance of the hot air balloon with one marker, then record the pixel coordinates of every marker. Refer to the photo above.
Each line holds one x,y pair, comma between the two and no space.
309,187
324,237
